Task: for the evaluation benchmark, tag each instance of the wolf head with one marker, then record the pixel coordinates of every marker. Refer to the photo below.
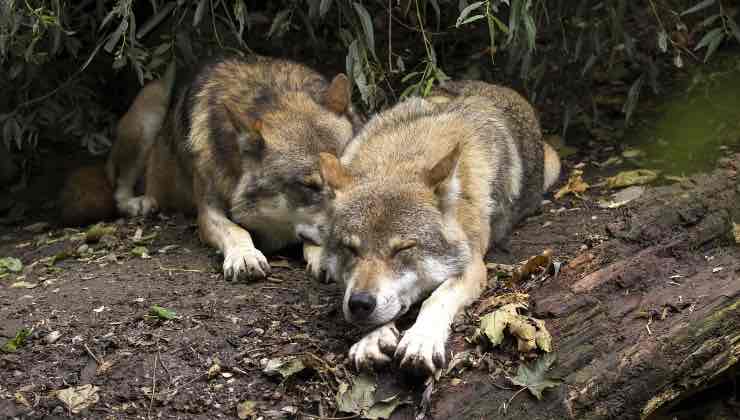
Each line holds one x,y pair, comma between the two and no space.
392,243
280,191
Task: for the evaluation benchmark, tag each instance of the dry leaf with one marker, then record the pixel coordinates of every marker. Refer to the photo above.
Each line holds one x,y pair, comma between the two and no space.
622,197
533,378
500,300
246,409
529,332
79,398
286,366
628,178
575,185
736,232
535,265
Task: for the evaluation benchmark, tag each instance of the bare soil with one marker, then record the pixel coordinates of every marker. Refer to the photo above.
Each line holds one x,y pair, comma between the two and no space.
100,302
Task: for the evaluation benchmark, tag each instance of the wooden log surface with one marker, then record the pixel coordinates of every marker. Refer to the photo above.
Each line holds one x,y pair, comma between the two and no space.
648,320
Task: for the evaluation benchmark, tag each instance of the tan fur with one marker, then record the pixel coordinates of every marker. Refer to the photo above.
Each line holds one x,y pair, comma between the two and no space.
420,195
239,145
552,166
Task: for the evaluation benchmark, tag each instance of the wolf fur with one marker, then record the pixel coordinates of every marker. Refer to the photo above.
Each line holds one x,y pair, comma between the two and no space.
238,145
420,194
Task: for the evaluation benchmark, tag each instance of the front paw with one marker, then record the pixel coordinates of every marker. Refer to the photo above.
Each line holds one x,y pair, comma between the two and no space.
374,349
422,349
245,263
313,254
138,206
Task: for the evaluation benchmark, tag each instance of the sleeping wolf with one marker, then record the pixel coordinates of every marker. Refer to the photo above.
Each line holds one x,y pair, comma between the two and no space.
239,146
420,194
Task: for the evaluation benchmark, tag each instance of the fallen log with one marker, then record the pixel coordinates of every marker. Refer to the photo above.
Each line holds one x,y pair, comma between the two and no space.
645,324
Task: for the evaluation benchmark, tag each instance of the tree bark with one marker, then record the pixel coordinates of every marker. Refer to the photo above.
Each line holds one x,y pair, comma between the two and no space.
649,320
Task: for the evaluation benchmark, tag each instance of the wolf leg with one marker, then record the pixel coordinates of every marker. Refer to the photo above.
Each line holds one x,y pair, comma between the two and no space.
376,348
241,259
422,348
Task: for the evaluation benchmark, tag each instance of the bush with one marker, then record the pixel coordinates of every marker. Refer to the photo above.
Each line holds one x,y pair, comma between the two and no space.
57,57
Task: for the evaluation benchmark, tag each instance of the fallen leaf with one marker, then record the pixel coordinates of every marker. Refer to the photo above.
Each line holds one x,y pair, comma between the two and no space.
357,398
632,153
736,232
500,300
285,366
246,409
12,345
20,399
162,313
141,251
535,265
95,232
674,178
10,264
383,409
622,197
534,378
79,398
635,177
215,369
575,185
530,333
281,264
23,285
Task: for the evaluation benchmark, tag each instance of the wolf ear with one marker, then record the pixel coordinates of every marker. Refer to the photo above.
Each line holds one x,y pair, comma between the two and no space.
332,171
443,170
337,98
249,131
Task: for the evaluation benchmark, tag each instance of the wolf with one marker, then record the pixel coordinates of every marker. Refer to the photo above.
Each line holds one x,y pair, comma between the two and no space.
237,144
418,197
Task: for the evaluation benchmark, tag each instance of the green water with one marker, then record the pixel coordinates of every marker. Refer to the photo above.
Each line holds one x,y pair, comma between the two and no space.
687,129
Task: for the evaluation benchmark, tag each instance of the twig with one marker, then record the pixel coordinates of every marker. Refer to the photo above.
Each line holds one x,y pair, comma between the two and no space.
154,386
311,416
92,354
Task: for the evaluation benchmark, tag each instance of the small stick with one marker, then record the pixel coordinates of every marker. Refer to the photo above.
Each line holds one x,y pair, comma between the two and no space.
92,355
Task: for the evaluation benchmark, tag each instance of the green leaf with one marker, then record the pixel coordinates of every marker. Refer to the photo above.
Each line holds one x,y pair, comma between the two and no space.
663,41
286,366
713,46
10,264
467,11
383,409
472,19
12,345
734,27
199,11
708,37
632,98
162,313
701,6
324,7
533,378
279,23
367,25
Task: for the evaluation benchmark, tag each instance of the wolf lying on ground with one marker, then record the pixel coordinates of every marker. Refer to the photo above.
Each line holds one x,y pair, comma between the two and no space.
238,145
419,196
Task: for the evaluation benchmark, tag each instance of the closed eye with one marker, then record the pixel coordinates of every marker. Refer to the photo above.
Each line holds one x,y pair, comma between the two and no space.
403,246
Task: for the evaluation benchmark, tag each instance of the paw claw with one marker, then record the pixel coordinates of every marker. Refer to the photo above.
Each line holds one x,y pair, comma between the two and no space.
138,206
422,352
375,349
246,263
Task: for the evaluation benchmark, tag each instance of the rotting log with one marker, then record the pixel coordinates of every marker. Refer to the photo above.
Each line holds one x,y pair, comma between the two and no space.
647,323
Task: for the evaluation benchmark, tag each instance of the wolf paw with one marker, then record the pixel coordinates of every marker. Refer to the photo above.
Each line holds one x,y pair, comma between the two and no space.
245,263
138,206
422,349
312,254
374,349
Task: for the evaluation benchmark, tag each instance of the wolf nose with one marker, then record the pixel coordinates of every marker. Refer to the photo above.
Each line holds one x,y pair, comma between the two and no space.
361,304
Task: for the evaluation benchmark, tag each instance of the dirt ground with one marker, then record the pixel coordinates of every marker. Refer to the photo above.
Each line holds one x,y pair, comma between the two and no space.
210,357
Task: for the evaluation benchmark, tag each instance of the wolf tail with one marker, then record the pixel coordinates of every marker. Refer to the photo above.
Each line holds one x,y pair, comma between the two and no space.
88,192
551,167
